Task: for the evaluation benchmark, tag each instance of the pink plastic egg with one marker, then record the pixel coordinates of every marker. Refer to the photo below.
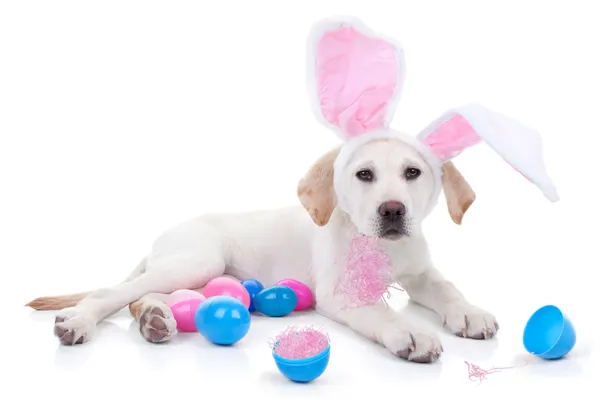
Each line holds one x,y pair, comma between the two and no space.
224,286
304,294
182,294
184,312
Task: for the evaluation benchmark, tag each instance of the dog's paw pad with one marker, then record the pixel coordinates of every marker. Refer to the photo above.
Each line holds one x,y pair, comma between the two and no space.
157,323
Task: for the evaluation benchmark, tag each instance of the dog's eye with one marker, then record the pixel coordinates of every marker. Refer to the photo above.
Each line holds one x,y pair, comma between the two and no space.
412,173
365,175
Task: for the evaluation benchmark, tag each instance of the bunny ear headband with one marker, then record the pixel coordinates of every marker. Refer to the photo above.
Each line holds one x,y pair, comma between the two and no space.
355,78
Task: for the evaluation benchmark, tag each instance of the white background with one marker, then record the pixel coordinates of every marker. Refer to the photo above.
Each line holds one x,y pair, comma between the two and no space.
119,119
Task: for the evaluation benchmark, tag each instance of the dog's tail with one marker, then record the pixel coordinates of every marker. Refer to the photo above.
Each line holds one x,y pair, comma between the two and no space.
71,300
57,302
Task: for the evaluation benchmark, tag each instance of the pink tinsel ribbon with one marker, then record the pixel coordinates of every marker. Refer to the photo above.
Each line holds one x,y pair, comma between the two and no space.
478,373
368,273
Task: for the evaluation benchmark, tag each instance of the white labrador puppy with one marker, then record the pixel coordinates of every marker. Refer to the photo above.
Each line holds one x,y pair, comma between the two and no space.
379,184
287,243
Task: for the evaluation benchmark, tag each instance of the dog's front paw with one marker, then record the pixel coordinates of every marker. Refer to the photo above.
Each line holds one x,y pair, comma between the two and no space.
73,326
412,345
468,321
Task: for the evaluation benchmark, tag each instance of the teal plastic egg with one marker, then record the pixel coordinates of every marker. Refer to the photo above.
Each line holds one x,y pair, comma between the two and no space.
276,301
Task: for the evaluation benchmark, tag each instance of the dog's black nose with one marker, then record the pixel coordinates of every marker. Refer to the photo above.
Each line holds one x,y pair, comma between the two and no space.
392,210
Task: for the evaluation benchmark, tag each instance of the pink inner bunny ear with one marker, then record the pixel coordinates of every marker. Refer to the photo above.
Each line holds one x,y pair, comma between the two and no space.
451,136
356,76
519,145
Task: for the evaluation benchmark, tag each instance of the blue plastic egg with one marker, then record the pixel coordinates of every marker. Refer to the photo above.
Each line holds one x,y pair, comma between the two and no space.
253,287
549,333
223,320
276,301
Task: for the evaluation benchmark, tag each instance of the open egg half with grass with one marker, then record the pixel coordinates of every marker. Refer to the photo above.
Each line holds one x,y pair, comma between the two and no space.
301,354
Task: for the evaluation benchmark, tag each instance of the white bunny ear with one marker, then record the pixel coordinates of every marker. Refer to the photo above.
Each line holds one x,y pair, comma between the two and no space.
519,145
355,76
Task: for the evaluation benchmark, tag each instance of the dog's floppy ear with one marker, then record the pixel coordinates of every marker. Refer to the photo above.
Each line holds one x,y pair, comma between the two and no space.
458,192
315,189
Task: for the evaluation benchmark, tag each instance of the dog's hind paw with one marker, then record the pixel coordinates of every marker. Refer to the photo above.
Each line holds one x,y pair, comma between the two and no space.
157,323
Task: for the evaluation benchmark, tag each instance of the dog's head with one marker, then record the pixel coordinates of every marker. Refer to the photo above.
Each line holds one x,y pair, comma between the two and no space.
386,186
388,182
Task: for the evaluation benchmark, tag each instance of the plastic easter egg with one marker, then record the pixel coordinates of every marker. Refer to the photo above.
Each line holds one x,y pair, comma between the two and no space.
182,294
224,286
253,287
303,369
302,355
223,320
184,312
304,294
549,333
276,301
